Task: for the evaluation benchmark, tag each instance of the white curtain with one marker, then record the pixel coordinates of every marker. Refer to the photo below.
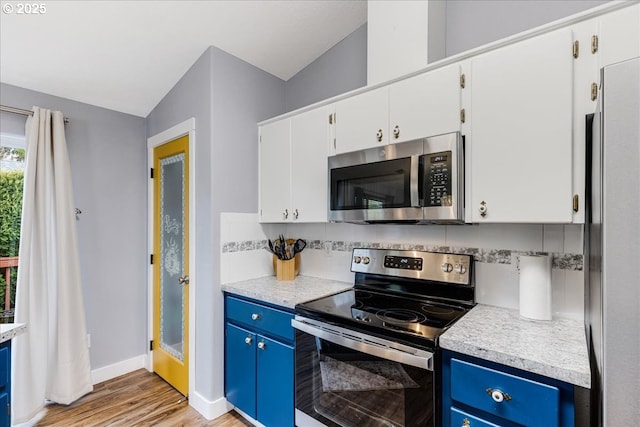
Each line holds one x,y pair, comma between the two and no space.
51,360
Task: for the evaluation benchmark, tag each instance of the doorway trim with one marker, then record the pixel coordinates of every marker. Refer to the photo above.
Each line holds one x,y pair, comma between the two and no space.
187,127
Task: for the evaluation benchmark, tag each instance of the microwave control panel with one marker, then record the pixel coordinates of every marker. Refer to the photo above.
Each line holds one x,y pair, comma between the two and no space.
437,179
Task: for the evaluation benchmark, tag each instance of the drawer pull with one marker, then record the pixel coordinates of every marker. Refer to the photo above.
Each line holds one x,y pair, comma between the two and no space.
466,423
261,345
255,316
248,340
498,395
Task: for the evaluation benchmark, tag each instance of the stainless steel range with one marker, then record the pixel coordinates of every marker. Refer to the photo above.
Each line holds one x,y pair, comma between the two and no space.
369,356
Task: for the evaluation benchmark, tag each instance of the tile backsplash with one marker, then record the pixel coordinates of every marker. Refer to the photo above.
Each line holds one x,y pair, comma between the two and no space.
495,248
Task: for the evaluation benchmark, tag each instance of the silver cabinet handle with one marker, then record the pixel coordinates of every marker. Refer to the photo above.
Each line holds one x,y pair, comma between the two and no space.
248,340
379,135
483,209
396,132
285,214
466,423
261,345
255,316
498,395
184,280
295,214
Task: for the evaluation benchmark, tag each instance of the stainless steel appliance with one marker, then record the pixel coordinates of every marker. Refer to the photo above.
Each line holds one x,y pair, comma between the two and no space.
369,356
420,181
612,241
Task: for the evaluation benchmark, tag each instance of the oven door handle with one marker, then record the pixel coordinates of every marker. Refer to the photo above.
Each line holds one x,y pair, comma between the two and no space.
375,346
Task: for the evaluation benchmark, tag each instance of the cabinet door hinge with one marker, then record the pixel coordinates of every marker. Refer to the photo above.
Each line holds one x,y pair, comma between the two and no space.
576,203
594,91
462,81
151,345
334,143
462,115
151,259
576,49
151,173
594,43
8,409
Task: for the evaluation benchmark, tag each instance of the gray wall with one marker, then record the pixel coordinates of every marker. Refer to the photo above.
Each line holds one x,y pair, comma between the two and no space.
227,97
108,157
474,23
341,69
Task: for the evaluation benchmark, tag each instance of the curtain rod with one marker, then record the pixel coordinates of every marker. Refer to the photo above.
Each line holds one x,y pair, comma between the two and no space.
23,112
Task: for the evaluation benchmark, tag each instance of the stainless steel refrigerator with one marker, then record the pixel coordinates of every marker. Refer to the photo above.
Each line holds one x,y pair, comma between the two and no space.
612,243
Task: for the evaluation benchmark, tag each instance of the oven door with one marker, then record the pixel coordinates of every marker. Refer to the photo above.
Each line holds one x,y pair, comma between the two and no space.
345,378
377,184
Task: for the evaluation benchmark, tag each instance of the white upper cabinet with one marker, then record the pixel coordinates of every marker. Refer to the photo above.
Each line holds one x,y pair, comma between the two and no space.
619,37
309,135
275,171
425,105
521,137
293,168
362,121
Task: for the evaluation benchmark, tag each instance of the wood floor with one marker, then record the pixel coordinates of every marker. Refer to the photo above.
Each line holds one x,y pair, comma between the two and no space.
140,398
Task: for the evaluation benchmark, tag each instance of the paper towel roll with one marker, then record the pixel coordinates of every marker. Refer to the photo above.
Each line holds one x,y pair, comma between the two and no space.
535,287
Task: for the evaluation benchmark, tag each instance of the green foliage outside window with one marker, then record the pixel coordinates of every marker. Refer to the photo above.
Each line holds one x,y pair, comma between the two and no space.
11,186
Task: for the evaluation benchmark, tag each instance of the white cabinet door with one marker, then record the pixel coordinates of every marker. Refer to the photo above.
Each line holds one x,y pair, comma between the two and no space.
425,105
360,119
275,172
309,135
521,138
619,37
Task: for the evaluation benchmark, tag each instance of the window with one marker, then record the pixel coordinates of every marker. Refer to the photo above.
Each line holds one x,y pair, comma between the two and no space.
12,156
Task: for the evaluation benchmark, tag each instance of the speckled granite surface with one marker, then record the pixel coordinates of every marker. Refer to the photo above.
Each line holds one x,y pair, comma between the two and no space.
11,330
286,294
556,349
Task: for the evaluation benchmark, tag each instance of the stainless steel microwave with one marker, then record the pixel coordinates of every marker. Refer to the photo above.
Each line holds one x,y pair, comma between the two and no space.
419,181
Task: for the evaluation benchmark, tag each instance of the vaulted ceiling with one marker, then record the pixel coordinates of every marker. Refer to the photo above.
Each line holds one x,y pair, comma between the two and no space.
126,55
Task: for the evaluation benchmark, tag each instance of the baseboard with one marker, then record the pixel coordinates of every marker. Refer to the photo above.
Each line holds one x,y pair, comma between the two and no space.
255,423
111,371
210,409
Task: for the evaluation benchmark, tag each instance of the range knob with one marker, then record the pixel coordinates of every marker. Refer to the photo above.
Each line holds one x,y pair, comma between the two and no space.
460,269
446,267
366,260
357,259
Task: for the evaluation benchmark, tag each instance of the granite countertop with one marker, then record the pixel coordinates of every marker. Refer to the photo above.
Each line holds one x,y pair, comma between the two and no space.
11,330
555,349
286,293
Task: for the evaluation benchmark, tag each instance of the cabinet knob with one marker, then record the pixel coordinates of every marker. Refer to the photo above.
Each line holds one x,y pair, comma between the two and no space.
483,209
379,135
248,340
466,423
255,316
498,395
261,345
295,214
396,132
285,214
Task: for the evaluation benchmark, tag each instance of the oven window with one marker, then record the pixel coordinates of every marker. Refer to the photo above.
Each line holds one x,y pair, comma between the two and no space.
377,185
342,387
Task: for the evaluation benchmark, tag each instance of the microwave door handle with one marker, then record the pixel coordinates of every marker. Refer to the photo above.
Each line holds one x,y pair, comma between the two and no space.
413,181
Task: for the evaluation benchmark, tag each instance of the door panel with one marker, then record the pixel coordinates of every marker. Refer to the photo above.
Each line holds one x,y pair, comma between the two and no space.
171,250
240,369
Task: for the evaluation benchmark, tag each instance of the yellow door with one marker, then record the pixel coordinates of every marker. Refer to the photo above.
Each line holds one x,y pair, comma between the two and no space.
171,263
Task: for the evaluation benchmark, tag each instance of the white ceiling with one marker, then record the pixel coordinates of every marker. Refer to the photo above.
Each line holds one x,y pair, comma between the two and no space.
126,55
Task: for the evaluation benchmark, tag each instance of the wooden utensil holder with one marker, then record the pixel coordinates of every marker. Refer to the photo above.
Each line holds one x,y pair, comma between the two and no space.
286,269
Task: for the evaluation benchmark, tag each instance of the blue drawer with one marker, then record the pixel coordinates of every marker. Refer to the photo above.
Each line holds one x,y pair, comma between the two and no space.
5,355
526,402
273,321
458,418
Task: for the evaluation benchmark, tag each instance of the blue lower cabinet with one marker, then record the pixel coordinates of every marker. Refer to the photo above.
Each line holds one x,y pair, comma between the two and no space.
259,361
5,384
240,369
275,383
481,393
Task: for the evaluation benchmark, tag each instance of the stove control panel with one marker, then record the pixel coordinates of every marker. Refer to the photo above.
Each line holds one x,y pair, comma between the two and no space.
433,266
